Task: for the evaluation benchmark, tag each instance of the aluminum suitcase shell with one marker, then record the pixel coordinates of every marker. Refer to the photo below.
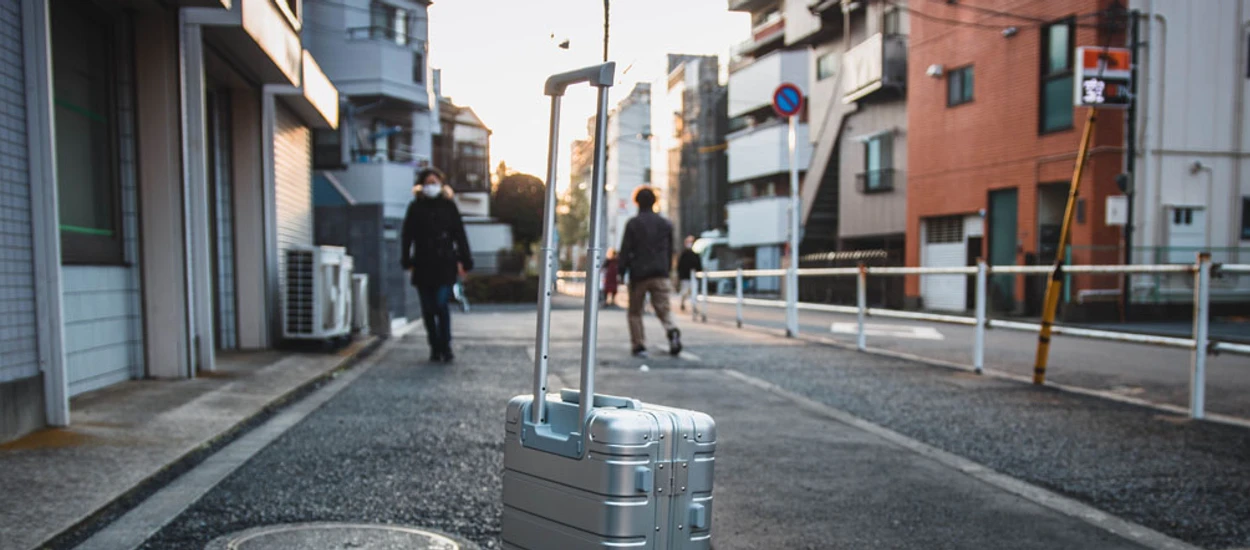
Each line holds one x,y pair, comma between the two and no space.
645,481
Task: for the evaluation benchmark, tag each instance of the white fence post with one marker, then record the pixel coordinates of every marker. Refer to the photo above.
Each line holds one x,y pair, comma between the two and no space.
694,296
978,346
861,302
738,289
1198,364
703,306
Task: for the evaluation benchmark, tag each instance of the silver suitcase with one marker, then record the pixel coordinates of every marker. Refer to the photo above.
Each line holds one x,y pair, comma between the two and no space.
607,472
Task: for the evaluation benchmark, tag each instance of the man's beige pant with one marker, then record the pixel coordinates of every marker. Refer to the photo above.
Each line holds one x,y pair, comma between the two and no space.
659,288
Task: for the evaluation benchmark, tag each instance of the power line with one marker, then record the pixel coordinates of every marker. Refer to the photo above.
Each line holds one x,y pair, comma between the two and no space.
937,19
999,13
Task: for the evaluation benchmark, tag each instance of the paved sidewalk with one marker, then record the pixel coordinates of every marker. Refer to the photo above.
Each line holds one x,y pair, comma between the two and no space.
125,435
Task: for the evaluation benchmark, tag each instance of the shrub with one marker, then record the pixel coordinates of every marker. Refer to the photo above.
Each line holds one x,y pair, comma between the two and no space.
501,289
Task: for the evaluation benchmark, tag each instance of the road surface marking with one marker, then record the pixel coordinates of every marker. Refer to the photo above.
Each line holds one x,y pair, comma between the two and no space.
909,332
1118,526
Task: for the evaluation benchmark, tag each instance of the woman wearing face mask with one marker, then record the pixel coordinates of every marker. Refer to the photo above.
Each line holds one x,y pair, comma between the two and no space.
435,252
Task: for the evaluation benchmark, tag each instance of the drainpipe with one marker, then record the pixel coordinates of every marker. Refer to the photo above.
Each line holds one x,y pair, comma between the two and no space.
1239,113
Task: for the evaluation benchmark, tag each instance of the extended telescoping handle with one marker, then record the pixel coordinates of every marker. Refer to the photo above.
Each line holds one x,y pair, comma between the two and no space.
599,76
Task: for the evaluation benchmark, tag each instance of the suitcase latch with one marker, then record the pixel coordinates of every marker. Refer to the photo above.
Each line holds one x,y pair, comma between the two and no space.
671,478
681,476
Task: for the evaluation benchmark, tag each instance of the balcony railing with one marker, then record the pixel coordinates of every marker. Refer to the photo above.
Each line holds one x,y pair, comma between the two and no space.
387,34
875,181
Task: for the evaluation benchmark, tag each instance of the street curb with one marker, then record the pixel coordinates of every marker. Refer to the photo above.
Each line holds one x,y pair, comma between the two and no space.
119,506
1102,394
1042,497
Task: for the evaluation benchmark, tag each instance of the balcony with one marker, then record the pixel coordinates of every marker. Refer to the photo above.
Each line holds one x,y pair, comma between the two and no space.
765,150
875,181
749,5
751,86
765,34
877,63
377,61
759,221
386,183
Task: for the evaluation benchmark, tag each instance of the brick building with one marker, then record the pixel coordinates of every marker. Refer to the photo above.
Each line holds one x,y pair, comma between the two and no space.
992,143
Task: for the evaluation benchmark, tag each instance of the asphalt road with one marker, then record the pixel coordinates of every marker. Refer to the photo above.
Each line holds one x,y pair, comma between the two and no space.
1152,373
419,444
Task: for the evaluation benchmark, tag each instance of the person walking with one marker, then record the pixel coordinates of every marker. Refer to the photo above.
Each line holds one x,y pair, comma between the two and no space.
646,258
435,254
687,263
611,276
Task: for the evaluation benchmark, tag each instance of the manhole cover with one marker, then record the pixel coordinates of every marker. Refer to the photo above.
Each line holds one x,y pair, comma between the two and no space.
336,536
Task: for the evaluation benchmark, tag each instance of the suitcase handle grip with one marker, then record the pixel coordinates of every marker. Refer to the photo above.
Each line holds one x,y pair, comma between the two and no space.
599,76
607,401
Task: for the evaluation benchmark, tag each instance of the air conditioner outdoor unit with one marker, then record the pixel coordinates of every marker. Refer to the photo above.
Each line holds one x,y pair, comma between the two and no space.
317,304
360,304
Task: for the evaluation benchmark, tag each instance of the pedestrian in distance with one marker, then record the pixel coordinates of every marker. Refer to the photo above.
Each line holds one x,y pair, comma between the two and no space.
687,263
435,254
646,258
611,277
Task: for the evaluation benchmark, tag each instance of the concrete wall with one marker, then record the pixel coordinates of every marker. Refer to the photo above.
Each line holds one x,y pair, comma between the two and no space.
1195,95
18,352
862,214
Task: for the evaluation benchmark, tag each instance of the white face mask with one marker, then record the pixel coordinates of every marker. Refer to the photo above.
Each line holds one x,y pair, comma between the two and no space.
432,190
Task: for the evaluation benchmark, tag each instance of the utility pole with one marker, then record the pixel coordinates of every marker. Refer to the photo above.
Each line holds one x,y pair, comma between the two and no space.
1129,186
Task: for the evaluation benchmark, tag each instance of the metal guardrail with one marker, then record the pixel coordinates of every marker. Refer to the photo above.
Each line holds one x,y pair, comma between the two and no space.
1200,344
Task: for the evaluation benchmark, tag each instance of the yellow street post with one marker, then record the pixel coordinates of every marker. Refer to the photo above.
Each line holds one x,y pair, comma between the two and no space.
1055,285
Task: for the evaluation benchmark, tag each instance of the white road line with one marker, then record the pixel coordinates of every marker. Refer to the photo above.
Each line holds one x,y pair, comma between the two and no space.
1118,526
909,332
145,520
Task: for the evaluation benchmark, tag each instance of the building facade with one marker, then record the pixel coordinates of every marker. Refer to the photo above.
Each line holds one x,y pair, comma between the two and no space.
1191,171
156,161
377,53
758,138
698,178
992,142
628,160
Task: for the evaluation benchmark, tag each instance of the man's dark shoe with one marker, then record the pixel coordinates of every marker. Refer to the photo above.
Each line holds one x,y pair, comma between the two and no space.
640,351
674,341
448,356
436,356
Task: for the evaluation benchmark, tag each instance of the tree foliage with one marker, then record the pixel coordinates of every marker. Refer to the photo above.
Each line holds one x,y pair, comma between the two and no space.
518,201
573,218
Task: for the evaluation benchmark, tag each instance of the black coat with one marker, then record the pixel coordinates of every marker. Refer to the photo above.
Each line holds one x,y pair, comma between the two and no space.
688,262
647,249
434,241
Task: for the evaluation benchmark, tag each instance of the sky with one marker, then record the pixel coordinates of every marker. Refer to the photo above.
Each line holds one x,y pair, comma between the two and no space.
495,56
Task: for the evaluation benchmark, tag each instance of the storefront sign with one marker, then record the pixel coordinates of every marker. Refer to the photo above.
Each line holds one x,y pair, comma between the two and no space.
271,30
320,92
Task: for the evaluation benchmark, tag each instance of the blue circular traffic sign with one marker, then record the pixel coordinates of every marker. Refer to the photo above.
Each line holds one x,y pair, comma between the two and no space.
787,100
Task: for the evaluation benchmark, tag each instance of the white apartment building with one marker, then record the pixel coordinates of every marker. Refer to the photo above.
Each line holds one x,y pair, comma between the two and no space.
1191,175
629,159
377,53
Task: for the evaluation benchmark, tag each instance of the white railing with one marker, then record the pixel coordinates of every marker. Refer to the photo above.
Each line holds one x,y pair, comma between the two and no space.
1199,344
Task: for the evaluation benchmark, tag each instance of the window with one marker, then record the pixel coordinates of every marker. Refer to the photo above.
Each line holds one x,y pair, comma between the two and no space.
646,175
389,23
418,67
1245,219
878,164
959,86
1056,92
947,229
88,196
327,150
827,65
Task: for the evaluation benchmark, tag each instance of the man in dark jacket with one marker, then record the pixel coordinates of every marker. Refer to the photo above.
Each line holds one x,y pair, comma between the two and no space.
646,257
435,252
687,263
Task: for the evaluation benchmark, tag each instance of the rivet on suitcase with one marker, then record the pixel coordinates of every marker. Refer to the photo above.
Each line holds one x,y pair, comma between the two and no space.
601,472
